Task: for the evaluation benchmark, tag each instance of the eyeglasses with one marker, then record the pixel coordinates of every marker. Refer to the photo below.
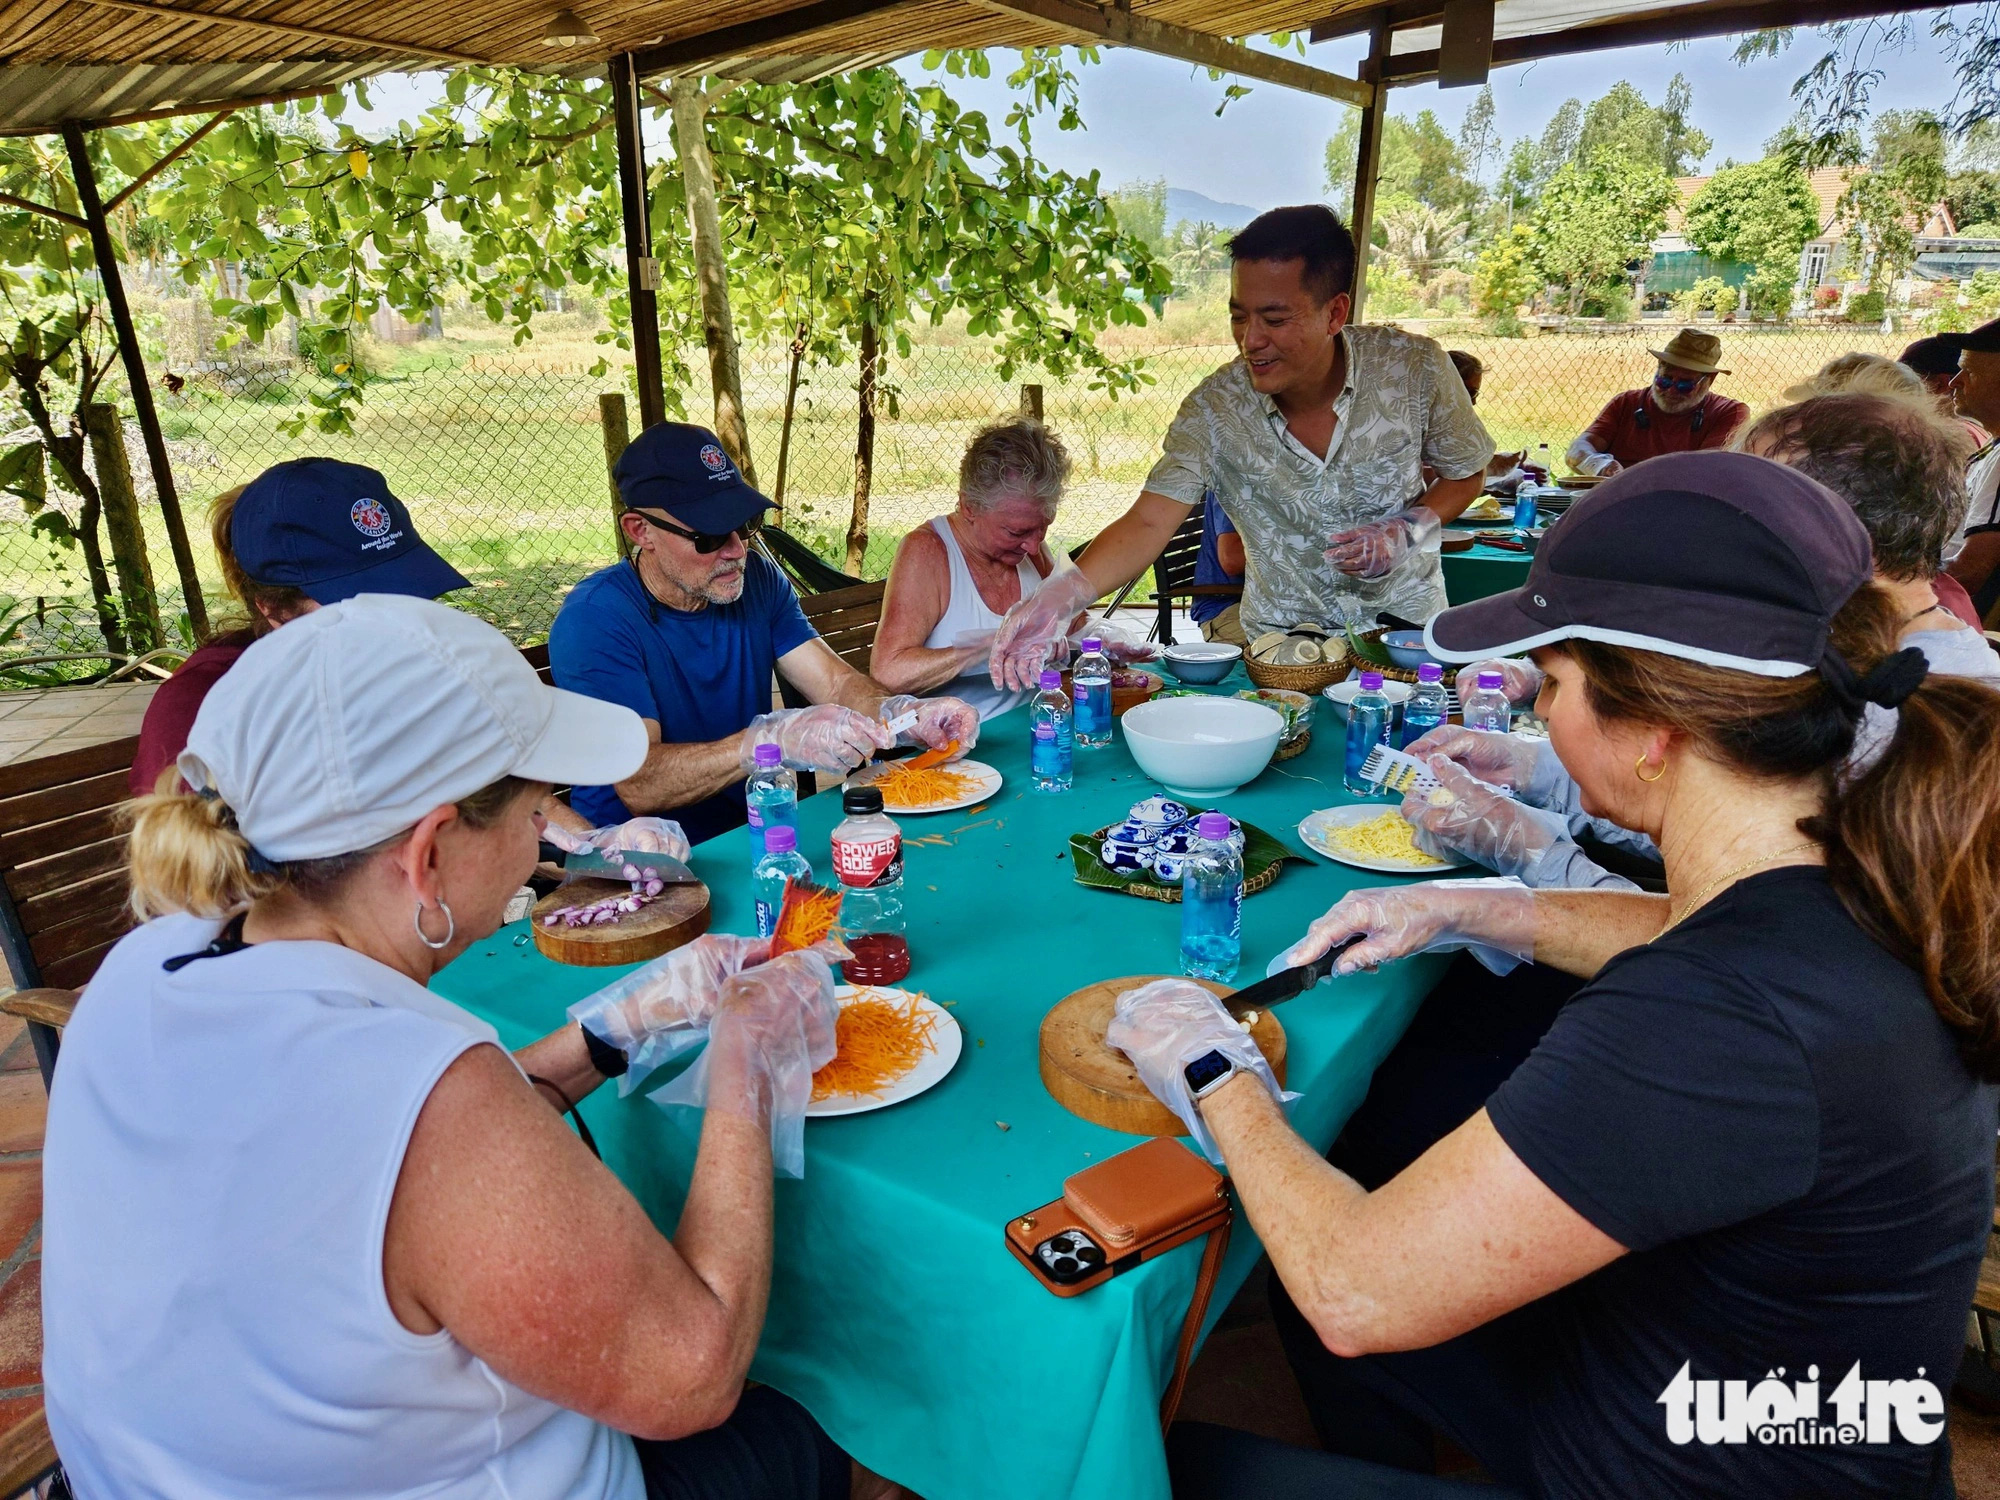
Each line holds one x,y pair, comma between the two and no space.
704,542
1668,383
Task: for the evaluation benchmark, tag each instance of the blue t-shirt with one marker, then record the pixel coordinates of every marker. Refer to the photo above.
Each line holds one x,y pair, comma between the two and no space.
1764,1108
1207,566
700,676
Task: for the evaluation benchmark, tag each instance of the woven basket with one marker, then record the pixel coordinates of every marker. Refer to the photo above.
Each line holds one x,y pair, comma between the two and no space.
1307,677
1286,750
1171,894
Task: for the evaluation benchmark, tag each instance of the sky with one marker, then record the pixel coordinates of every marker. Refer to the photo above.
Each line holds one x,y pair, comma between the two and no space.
1150,117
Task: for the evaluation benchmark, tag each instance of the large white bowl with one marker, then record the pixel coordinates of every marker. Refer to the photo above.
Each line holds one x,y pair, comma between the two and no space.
1202,747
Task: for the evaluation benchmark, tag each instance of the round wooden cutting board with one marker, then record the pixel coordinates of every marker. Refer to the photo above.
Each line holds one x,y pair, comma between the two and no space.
679,915
1088,1077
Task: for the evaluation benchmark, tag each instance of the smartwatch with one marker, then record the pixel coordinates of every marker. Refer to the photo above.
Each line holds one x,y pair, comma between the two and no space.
1208,1073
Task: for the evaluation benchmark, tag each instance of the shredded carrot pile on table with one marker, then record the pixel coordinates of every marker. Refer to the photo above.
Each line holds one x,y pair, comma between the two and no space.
910,785
880,1040
807,915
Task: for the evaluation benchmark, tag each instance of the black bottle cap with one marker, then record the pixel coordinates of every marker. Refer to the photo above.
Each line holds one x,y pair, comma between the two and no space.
860,801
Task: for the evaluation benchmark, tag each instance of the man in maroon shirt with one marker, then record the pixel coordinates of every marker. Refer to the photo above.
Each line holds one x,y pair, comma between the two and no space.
1677,413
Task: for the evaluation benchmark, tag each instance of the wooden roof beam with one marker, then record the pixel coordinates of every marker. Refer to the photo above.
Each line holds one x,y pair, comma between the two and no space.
688,54
1678,24
1401,13
397,50
1121,28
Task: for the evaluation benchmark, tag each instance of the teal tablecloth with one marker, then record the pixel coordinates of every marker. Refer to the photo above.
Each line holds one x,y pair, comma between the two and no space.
1482,571
897,1315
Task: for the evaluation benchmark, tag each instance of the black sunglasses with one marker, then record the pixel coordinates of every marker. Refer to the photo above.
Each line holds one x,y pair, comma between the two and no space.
1668,383
704,542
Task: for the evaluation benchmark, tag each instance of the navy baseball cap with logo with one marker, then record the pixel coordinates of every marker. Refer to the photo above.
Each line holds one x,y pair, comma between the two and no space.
333,530
1720,558
682,470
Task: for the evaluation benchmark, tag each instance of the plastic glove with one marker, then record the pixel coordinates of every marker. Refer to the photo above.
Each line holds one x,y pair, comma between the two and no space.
1435,917
656,1013
939,722
635,836
1500,759
825,737
1118,650
1465,815
1164,1026
773,1028
1034,630
1522,679
1379,548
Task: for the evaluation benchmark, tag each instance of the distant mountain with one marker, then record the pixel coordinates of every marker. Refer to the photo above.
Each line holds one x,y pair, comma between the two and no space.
1185,204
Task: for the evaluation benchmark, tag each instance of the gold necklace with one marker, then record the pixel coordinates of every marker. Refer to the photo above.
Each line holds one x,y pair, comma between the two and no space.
1730,874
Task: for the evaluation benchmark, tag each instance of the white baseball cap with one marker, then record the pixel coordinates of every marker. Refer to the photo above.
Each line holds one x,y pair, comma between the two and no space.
345,726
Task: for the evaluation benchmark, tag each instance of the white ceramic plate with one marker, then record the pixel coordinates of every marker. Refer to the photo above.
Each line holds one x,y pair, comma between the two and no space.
946,1043
989,783
1313,829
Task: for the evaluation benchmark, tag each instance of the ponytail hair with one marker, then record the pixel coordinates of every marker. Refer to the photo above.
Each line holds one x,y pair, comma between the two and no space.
1912,840
188,855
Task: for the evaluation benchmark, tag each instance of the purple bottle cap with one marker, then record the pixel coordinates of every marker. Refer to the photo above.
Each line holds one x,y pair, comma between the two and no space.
1092,643
1213,826
1429,671
781,838
769,755
1051,682
1371,682
1491,682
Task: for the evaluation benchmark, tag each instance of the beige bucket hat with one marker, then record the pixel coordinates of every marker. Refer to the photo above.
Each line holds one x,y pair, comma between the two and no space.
1691,349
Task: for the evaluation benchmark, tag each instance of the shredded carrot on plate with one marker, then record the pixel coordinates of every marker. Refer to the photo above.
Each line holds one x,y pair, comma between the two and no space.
909,785
880,1039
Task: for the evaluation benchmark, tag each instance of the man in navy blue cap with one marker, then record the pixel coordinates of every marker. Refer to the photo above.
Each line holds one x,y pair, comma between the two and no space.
686,632
303,533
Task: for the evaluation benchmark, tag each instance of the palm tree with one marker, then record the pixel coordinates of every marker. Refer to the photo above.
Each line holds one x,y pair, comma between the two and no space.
1421,238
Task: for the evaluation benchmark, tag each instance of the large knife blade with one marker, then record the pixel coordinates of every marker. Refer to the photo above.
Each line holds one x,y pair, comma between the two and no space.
1286,983
611,864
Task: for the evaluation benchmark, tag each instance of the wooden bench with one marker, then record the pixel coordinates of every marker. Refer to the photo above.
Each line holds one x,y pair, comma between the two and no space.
846,620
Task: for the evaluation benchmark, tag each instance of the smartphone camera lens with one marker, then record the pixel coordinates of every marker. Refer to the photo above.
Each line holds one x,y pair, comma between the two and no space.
1090,1255
1067,1266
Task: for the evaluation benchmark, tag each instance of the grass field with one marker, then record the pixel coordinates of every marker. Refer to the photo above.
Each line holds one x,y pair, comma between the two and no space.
499,452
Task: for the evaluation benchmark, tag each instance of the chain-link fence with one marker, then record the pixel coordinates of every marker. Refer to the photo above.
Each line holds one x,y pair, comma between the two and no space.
500,454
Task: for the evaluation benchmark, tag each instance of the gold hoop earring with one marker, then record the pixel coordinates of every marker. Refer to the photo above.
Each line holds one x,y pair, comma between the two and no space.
1639,770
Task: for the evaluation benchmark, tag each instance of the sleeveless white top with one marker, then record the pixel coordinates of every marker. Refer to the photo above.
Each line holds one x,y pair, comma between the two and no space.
965,611
222,1146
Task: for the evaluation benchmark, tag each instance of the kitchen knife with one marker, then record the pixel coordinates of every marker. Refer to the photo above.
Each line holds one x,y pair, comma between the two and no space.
610,864
1286,983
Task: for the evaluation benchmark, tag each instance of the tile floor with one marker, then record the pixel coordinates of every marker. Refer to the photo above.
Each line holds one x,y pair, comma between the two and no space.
46,721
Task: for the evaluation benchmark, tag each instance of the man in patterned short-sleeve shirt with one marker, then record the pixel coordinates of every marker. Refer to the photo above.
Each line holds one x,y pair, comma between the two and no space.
1314,440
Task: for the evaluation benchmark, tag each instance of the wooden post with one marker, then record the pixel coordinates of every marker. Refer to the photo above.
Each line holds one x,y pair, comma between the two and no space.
711,270
864,443
140,599
1368,165
611,417
1031,401
798,352
642,272
106,256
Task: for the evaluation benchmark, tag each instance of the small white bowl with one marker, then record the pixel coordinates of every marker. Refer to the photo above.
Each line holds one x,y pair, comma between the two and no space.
1202,747
1202,662
1341,694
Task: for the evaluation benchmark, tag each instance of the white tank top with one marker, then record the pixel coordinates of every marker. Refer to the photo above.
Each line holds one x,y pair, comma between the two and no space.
222,1146
965,611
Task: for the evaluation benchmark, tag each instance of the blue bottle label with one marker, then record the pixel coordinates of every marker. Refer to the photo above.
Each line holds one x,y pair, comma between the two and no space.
1050,756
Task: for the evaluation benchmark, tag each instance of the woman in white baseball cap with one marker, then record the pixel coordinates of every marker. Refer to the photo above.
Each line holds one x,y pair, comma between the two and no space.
308,1230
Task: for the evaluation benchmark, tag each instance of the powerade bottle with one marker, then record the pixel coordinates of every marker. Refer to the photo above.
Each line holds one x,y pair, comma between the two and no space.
1428,705
1212,902
1367,726
1051,755
1092,682
780,862
1486,707
868,861
773,795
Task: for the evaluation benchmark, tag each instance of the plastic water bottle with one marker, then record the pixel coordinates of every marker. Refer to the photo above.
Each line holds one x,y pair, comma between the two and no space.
1527,505
1486,707
1538,465
1428,705
1367,726
780,862
868,861
1212,902
1051,756
1092,682
773,795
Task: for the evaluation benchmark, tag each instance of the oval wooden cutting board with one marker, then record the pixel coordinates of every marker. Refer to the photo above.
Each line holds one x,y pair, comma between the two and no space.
678,915
1090,1078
